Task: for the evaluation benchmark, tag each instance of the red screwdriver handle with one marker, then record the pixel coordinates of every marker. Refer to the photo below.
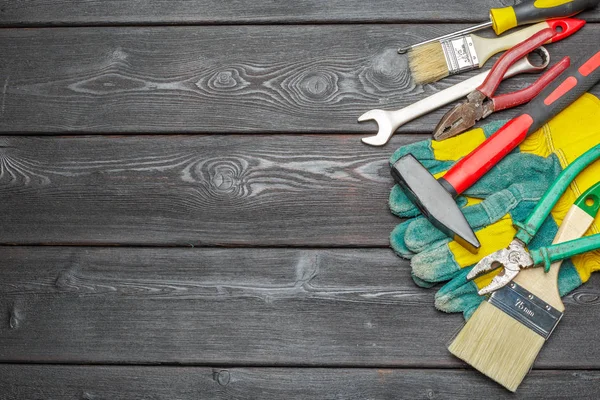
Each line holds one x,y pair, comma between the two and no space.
567,88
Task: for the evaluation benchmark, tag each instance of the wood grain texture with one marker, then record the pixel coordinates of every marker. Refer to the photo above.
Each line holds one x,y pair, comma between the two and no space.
219,79
183,383
239,307
113,12
264,308
263,190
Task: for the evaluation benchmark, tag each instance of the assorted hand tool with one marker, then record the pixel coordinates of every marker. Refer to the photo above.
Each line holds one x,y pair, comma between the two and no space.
472,53
516,257
435,198
390,121
437,60
526,12
481,102
506,333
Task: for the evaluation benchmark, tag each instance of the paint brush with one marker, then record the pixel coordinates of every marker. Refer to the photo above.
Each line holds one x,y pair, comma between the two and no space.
433,61
505,334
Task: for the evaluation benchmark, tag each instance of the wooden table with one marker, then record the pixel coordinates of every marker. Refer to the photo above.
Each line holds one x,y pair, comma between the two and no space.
188,211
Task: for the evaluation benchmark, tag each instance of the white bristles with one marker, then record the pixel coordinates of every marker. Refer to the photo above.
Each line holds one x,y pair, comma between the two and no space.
497,345
427,63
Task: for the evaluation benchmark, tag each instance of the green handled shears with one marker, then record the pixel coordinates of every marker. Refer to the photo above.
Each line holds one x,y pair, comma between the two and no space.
516,256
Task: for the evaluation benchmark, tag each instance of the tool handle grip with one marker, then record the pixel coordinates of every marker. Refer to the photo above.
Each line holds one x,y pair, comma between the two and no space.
510,100
580,77
569,86
492,81
589,201
473,166
488,47
530,227
531,11
547,255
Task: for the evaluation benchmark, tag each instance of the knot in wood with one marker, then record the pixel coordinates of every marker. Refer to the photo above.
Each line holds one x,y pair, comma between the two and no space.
14,319
388,71
119,54
222,377
65,280
225,176
317,85
224,80
586,298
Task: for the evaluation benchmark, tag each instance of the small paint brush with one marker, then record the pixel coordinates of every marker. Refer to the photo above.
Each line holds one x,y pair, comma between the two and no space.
433,61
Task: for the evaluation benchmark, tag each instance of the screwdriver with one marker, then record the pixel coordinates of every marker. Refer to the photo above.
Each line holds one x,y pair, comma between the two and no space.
526,12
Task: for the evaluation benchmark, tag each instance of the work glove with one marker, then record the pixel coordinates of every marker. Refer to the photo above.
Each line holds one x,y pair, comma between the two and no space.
507,194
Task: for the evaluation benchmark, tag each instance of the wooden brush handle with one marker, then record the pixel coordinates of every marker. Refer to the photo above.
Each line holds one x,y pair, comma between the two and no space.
545,284
486,48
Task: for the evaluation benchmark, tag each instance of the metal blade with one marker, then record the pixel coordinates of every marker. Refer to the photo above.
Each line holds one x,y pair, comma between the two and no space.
488,263
460,118
500,280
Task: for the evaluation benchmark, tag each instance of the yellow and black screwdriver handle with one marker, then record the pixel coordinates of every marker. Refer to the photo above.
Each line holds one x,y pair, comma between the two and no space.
532,11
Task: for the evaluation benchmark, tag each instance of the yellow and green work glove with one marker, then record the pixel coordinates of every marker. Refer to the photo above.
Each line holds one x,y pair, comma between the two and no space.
508,193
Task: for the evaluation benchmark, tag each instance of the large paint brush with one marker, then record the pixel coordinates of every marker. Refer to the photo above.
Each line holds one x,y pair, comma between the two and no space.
434,61
505,334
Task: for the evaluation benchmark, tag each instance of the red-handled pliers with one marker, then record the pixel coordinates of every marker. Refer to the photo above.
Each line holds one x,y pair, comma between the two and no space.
481,102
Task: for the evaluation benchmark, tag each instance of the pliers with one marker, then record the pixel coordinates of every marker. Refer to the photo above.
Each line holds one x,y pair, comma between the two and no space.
481,102
516,256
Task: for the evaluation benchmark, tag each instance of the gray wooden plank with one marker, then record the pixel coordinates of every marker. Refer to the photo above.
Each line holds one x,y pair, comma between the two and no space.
318,190
240,307
182,383
89,12
218,79
219,190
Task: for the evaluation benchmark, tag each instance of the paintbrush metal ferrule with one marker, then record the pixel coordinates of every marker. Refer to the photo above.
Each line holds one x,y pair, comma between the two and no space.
527,308
460,54
466,31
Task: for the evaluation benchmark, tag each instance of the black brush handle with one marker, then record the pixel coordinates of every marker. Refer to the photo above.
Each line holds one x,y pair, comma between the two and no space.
568,87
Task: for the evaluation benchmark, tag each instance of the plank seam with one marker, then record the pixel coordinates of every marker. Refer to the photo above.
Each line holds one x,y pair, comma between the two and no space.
276,366
258,22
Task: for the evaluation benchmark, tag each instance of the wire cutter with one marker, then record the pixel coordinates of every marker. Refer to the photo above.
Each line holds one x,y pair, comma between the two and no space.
481,102
516,256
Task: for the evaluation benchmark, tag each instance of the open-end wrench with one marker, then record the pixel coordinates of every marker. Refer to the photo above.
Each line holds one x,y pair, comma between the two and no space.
389,121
